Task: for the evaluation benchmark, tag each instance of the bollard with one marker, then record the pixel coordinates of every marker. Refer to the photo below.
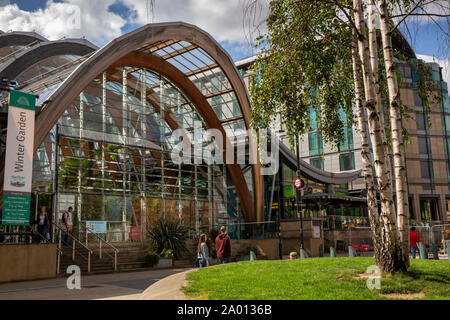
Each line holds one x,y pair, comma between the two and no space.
303,254
434,250
423,251
252,256
332,253
351,252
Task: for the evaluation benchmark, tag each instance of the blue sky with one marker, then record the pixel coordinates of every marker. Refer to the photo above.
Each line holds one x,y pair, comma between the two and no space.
231,35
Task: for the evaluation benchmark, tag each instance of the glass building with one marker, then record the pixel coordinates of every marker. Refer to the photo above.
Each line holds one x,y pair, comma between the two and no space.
104,133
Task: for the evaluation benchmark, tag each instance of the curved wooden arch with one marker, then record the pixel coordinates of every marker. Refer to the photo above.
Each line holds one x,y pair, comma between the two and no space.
118,48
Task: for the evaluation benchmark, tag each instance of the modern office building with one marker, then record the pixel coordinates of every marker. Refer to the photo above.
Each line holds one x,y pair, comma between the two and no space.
427,150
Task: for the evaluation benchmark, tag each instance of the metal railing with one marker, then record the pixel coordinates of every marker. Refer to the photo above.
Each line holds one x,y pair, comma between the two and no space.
100,240
433,234
74,242
16,234
344,222
242,231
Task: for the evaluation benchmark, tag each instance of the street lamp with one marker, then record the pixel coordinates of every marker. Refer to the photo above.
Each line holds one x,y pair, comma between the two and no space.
299,201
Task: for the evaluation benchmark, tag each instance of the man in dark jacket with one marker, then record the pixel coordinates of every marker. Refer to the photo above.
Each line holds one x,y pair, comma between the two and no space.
223,246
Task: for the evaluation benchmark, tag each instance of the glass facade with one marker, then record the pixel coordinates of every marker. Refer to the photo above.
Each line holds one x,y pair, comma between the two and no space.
347,161
109,156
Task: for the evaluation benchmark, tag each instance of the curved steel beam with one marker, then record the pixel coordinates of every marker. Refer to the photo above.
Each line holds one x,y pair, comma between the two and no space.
19,38
43,50
317,174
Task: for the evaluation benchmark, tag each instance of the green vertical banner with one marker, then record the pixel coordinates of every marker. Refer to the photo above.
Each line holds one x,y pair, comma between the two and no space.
19,159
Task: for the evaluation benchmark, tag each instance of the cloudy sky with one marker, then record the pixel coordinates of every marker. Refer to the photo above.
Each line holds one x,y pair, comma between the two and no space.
102,20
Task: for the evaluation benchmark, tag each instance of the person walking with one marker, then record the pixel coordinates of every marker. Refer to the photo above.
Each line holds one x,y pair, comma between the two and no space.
67,225
203,252
223,246
42,223
414,241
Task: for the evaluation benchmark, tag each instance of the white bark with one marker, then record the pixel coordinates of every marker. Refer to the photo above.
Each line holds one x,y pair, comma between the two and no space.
398,148
365,152
373,52
390,250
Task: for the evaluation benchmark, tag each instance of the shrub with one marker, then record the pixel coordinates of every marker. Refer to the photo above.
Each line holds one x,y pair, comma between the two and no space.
169,234
151,259
167,254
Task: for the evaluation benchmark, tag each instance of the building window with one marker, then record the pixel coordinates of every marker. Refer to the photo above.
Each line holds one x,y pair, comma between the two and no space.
428,209
447,147
347,144
217,107
420,119
216,84
423,149
236,109
445,102
448,171
425,169
315,143
316,162
347,161
446,124
313,121
435,75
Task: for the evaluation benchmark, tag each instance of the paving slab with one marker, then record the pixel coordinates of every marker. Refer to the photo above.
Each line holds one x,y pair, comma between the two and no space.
120,286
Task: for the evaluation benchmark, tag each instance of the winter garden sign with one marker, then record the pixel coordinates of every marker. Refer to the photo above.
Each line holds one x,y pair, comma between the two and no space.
19,159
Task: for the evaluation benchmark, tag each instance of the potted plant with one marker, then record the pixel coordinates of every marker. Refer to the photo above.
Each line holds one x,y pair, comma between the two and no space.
166,258
168,237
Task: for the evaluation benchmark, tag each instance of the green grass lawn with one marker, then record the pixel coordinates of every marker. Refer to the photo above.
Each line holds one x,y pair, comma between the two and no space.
314,278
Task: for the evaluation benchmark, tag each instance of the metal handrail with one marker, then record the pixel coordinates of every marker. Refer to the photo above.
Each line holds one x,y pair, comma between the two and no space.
60,230
116,251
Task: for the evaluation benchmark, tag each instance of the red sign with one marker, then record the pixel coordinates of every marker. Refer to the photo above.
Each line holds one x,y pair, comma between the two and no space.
298,183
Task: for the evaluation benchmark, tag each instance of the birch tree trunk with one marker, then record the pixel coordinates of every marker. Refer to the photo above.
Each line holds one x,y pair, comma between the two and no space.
373,52
365,153
390,250
398,148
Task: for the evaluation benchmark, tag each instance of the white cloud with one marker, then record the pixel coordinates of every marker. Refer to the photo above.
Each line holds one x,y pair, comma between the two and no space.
222,19
232,22
229,21
72,18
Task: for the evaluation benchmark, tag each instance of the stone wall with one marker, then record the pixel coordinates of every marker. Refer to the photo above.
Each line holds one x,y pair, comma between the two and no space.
27,262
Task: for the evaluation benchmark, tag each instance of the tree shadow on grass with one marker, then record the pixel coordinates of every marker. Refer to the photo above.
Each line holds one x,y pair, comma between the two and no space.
427,276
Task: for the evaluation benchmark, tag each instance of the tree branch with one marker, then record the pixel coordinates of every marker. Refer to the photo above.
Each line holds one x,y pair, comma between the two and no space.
406,16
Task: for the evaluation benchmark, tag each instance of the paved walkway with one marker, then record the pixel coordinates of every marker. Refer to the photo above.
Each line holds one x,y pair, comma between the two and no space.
120,286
